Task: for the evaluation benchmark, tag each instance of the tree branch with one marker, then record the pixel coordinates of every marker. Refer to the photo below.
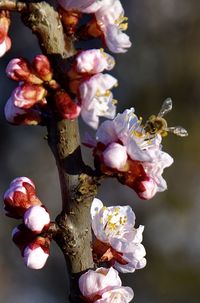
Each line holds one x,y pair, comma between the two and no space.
78,187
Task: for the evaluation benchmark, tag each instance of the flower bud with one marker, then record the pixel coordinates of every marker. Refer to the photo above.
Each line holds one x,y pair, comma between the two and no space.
19,197
19,69
18,116
115,156
22,236
27,95
69,20
66,108
36,218
146,189
42,67
36,253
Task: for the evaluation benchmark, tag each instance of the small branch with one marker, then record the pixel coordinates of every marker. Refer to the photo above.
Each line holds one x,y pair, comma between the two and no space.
10,5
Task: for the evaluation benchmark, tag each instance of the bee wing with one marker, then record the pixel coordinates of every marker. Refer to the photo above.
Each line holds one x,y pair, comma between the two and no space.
166,107
178,130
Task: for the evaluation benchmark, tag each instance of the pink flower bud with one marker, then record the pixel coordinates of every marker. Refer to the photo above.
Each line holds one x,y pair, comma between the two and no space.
27,95
42,67
115,156
19,69
66,108
146,189
36,218
18,116
36,253
22,236
19,197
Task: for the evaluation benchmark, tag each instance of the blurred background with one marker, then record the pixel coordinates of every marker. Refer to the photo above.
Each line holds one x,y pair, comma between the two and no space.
163,62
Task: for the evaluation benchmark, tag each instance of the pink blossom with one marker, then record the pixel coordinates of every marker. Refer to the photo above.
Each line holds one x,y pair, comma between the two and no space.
146,160
36,253
19,197
18,116
36,218
94,61
119,240
96,99
100,285
27,95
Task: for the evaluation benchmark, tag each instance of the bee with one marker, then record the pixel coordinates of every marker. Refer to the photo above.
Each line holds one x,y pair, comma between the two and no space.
158,125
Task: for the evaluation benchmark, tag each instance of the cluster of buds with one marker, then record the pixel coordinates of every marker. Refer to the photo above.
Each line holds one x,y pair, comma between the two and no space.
91,86
28,100
104,286
118,242
107,23
123,149
5,42
21,202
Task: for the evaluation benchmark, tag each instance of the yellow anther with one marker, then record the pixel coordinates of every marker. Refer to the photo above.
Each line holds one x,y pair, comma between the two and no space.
107,93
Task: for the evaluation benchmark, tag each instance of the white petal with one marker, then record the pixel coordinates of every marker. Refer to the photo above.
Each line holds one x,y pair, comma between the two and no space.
95,207
35,258
36,218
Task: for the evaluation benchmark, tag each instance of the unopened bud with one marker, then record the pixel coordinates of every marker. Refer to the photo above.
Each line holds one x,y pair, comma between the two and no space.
36,218
146,189
42,67
22,236
115,156
36,253
19,69
66,108
70,20
19,197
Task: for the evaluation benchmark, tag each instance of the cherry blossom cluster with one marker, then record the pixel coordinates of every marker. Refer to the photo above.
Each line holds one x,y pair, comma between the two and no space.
28,100
21,202
107,22
124,149
5,42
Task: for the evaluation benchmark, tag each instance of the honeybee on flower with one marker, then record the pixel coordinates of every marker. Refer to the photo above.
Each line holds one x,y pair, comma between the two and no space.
158,125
